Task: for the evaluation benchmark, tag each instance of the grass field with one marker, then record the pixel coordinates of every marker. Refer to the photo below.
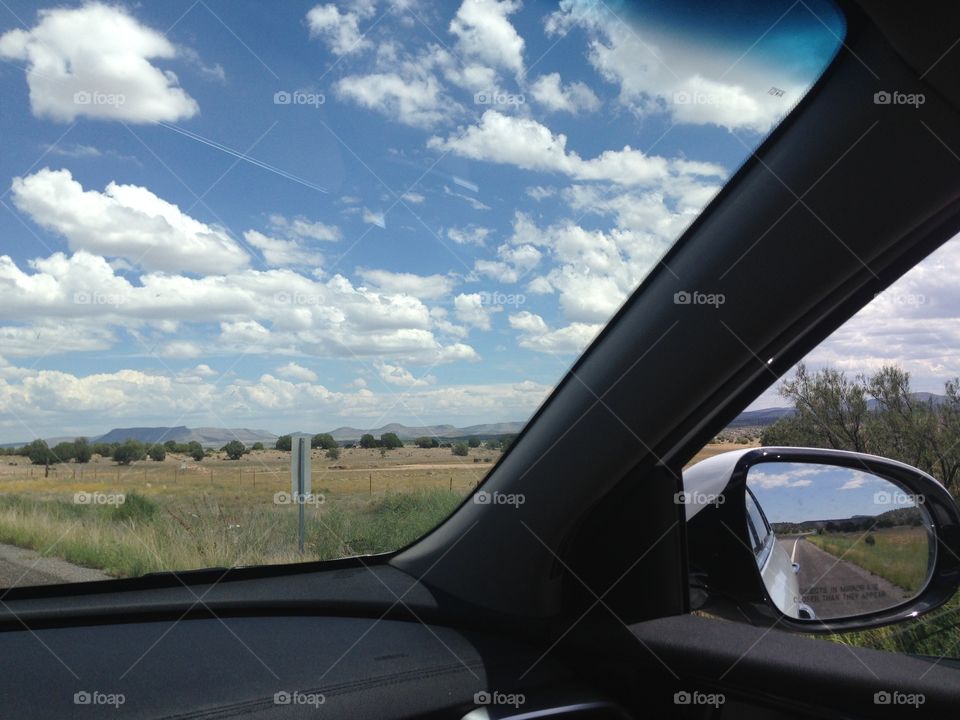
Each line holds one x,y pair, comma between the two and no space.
898,554
180,514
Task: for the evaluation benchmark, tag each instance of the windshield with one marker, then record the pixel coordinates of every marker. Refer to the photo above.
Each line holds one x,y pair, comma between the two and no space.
282,282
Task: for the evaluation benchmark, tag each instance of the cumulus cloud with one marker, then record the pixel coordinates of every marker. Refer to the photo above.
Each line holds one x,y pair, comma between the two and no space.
94,61
340,30
412,99
282,253
425,287
573,98
301,227
126,221
471,310
536,335
469,235
530,145
294,371
485,33
401,377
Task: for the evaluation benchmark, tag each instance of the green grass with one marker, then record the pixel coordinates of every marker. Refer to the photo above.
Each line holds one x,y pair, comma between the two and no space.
899,554
149,535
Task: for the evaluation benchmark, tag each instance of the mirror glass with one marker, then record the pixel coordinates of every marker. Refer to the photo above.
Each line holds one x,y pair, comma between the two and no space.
833,542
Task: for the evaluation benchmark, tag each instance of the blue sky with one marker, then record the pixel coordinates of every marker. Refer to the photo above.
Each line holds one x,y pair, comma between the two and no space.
795,492
302,215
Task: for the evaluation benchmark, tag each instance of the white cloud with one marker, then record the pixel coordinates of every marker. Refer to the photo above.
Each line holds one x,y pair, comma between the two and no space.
374,218
539,193
294,371
282,253
412,197
340,30
181,349
425,287
412,99
536,335
573,98
483,32
470,310
527,144
658,72
401,377
301,227
126,221
94,61
469,235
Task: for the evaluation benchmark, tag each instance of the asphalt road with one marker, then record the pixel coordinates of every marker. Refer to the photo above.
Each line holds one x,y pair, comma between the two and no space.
21,568
835,587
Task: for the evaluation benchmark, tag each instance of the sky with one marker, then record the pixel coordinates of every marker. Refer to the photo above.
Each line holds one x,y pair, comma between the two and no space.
797,492
299,215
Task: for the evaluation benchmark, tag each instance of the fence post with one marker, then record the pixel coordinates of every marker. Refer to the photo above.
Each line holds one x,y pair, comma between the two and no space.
371,483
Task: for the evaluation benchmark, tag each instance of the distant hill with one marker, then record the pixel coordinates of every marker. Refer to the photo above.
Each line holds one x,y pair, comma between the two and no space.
407,432
217,437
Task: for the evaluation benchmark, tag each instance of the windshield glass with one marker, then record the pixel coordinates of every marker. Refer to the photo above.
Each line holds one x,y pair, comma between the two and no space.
386,227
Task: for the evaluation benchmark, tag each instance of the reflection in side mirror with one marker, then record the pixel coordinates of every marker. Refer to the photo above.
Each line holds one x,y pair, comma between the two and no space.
834,542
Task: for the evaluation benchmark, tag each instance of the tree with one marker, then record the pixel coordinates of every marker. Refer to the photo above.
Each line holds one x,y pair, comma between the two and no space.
157,452
171,445
324,441
333,453
368,441
391,441
102,449
426,442
461,449
284,442
234,449
257,446
39,453
474,442
63,452
128,452
81,450
195,451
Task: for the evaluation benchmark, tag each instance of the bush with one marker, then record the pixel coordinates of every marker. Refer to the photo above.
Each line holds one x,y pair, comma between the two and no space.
63,452
135,507
461,449
368,441
324,441
234,449
333,453
39,453
157,453
195,451
426,442
102,449
284,442
391,441
130,451
257,446
474,442
81,450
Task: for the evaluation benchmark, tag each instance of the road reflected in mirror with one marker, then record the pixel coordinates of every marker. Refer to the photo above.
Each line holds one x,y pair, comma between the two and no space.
834,542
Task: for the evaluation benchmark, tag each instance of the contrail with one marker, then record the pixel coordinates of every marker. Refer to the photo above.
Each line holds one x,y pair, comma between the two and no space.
245,158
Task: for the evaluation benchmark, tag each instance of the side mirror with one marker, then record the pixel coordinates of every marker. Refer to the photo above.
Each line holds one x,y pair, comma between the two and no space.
818,540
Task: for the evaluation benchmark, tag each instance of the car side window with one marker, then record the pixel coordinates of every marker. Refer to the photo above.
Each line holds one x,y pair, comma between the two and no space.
758,526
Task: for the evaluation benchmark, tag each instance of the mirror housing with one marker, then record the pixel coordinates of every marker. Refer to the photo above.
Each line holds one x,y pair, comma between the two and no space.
724,576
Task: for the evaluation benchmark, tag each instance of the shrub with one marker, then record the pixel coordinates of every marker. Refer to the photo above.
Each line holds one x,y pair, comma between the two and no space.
368,441
391,441
333,453
284,442
426,442
474,442
130,451
81,450
461,449
324,441
157,453
234,449
257,446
